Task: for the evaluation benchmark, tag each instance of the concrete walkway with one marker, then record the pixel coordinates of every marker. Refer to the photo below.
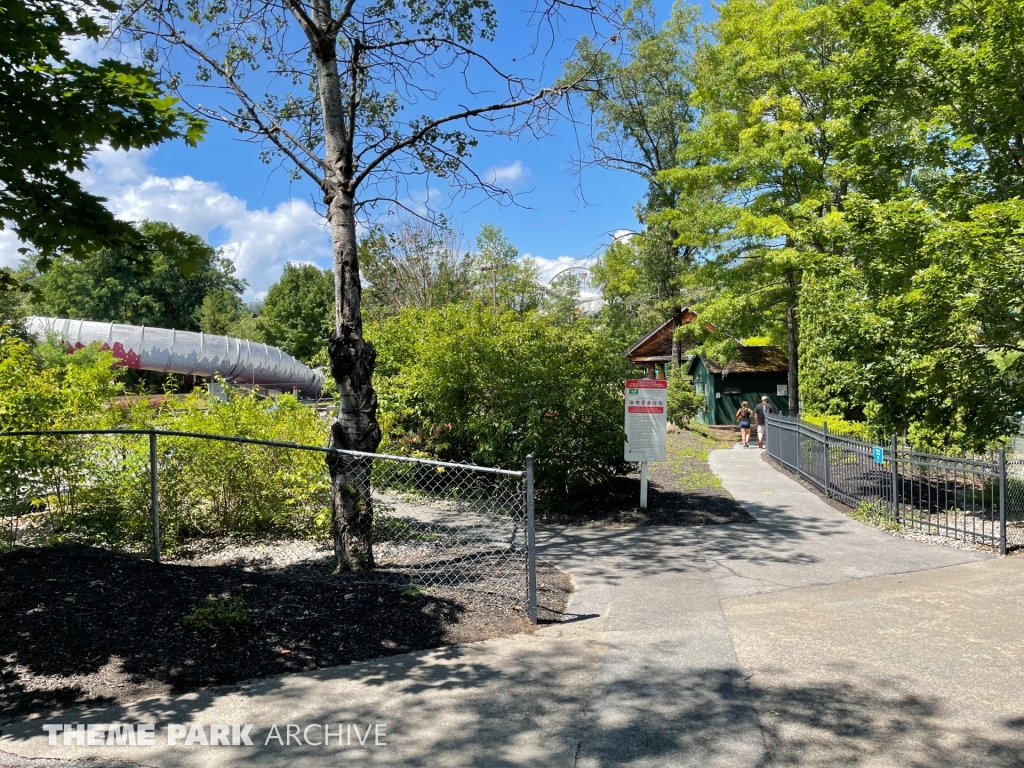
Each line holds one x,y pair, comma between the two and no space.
804,639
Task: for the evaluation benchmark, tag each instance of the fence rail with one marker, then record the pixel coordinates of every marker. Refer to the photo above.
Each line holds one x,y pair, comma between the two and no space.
978,500
207,499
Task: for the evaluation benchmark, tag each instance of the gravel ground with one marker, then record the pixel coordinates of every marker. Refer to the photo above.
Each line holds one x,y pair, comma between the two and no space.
87,627
681,490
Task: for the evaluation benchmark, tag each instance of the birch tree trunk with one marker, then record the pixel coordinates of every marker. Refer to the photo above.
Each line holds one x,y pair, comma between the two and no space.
352,358
355,428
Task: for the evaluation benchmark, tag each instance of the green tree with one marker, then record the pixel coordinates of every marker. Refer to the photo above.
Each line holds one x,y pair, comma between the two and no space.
683,401
938,87
911,320
413,264
637,284
224,313
57,110
503,281
298,310
761,179
106,286
561,298
640,111
347,116
220,311
639,100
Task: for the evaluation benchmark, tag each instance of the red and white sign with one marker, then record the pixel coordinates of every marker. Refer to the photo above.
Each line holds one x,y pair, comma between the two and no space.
646,407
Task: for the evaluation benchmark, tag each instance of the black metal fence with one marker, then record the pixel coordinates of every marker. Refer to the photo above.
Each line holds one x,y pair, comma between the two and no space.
217,500
978,500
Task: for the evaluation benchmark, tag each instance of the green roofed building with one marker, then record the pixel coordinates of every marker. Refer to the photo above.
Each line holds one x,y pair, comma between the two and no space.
757,371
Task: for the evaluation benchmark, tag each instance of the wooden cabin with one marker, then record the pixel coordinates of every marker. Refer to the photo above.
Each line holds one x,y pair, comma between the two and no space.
757,371
653,354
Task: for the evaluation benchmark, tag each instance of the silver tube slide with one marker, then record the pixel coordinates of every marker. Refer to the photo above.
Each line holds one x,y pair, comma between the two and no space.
196,354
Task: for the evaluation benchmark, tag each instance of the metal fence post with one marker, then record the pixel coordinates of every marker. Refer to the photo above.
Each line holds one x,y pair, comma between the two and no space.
154,496
531,546
895,476
1002,501
798,446
828,461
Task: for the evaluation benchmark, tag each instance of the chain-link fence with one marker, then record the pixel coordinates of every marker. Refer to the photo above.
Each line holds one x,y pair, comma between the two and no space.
213,500
974,499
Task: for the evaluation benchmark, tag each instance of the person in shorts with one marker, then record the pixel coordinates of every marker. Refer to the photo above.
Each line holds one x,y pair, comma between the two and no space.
743,418
763,409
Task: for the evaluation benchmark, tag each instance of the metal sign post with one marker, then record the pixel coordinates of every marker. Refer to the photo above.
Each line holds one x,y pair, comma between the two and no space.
646,409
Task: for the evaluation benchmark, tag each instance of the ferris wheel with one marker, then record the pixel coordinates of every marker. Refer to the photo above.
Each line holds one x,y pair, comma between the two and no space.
579,275
589,299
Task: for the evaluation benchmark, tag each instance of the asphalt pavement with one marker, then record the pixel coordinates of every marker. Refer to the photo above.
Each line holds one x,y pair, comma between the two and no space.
805,638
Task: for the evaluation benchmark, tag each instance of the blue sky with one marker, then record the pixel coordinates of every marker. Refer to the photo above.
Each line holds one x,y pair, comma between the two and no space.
222,191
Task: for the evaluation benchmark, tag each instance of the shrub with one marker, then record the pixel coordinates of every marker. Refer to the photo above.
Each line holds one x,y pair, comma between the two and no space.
55,473
837,425
219,488
95,489
683,401
465,383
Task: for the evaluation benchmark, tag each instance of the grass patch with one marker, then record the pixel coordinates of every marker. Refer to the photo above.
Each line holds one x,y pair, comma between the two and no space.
876,514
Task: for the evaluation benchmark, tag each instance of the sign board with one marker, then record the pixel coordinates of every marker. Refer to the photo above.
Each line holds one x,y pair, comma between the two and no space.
879,455
646,407
782,390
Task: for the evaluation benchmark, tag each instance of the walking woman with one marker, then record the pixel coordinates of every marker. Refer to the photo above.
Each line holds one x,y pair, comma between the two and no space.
743,417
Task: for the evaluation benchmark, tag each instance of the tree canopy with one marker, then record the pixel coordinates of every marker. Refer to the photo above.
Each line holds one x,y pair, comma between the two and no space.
297,313
411,263
56,110
105,285
850,188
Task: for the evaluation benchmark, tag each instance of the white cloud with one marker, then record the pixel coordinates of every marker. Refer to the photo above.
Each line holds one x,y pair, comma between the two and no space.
622,235
511,175
258,241
9,245
108,46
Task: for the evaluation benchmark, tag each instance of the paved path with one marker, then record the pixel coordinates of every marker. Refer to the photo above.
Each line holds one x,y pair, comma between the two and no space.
786,642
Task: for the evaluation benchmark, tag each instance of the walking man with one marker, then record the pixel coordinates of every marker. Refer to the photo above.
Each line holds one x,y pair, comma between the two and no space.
763,409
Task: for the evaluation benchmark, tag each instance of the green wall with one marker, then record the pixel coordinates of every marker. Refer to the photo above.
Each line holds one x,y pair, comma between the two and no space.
722,410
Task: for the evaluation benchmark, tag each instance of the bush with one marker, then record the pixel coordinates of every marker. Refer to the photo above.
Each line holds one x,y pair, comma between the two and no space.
95,489
55,473
464,383
837,425
683,401
216,488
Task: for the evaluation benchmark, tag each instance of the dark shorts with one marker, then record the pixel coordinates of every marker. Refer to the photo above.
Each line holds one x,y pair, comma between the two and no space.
745,424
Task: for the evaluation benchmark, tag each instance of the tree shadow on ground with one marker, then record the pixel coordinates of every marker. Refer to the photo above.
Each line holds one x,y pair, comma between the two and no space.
88,627
541,707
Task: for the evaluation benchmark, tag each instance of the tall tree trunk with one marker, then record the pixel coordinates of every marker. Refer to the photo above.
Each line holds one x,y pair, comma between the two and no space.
792,339
352,358
677,355
356,428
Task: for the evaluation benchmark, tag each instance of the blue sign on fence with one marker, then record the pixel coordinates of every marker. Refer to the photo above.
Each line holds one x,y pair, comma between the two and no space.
879,455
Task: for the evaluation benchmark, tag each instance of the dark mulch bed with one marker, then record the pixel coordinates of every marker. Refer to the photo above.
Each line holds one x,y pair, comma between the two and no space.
681,490
81,626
